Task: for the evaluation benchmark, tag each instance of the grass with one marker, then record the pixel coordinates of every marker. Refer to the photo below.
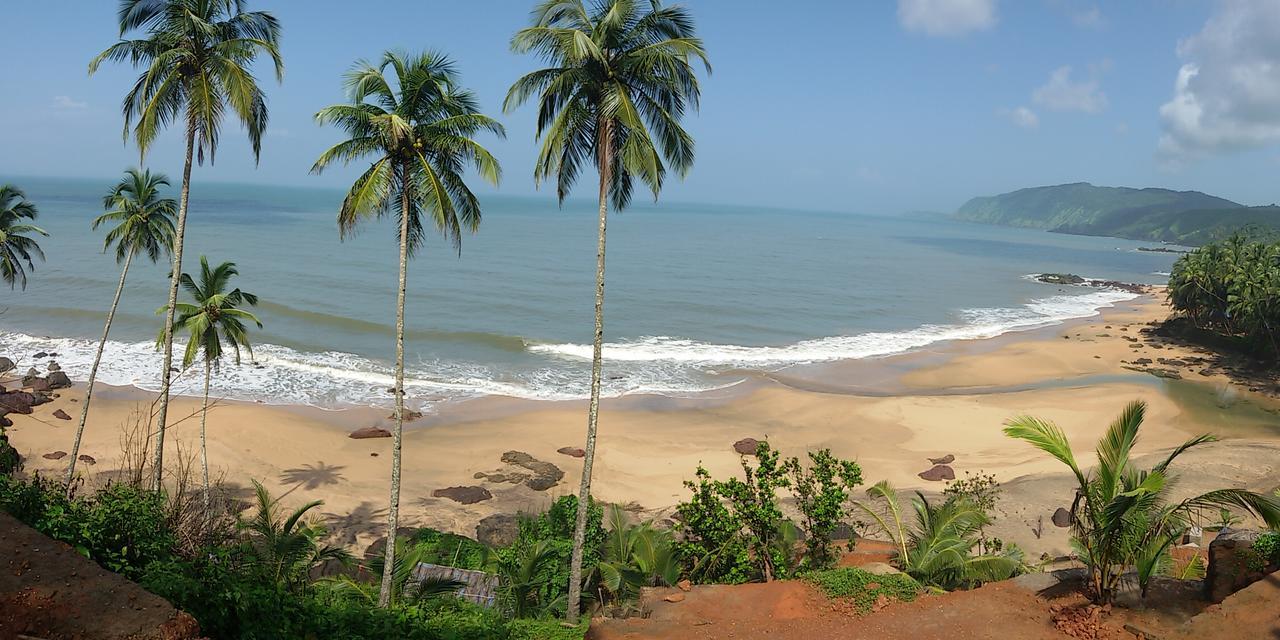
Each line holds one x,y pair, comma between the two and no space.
864,588
531,629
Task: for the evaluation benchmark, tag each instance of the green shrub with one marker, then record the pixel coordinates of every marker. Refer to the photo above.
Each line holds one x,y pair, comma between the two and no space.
10,461
1267,547
865,588
546,630
229,596
822,492
535,568
450,550
712,547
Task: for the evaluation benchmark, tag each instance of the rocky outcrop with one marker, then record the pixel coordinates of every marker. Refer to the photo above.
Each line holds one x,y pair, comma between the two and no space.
58,380
464,495
1233,563
747,446
938,473
19,402
572,452
545,474
947,459
6,365
498,530
369,432
61,415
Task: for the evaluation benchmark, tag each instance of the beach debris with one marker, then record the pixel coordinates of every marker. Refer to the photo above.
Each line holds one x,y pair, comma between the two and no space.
87,459
675,597
6,365
365,433
498,530
61,415
746,446
58,380
545,474
464,495
947,459
54,455
1062,518
937,473
572,452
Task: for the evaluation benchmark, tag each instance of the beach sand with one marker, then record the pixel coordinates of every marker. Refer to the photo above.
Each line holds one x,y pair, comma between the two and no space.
950,399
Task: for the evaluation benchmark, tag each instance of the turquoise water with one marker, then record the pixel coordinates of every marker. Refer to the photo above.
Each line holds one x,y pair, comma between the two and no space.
693,291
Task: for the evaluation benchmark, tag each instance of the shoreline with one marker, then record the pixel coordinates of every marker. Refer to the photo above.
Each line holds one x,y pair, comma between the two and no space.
913,408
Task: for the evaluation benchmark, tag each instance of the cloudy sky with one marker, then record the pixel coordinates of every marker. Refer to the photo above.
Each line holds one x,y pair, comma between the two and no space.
875,106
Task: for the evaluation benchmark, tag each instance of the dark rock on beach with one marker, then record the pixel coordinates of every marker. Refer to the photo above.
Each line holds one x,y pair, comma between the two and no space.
947,459
545,474
55,455
498,530
6,365
938,473
746,446
61,415
1061,518
464,495
369,432
18,402
87,459
54,366
58,380
572,452
36,384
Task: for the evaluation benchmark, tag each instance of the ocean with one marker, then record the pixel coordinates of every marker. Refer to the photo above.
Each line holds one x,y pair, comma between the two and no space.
696,294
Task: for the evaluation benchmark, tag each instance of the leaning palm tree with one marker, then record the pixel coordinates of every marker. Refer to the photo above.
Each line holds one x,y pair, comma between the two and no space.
16,247
416,126
143,226
620,78
196,57
1123,517
212,319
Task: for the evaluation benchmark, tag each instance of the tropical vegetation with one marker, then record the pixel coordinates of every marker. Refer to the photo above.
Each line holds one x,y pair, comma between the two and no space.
141,225
1232,288
410,117
18,249
619,80
196,58
1123,518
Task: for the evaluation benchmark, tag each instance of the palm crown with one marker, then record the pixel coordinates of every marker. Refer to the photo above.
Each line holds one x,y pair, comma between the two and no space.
215,316
15,247
143,220
417,128
196,57
620,80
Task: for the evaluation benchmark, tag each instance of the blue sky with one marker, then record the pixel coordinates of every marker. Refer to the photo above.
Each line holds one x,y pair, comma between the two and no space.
877,107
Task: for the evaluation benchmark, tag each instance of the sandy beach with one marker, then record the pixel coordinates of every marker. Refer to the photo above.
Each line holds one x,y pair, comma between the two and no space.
951,399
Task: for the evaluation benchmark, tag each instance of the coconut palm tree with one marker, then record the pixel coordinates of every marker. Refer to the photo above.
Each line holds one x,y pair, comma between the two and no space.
213,319
196,57
619,81
15,245
1123,516
143,226
409,117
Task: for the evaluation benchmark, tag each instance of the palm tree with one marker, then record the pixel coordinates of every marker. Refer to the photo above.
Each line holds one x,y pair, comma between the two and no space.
196,56
633,556
287,547
16,248
417,129
405,590
620,78
1122,516
214,318
143,225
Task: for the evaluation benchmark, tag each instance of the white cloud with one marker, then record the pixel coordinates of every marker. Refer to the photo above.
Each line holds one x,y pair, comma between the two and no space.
946,17
1227,93
1061,93
1020,116
66,103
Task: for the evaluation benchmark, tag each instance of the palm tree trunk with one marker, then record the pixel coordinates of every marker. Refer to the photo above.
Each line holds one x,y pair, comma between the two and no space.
166,373
597,363
204,449
93,373
393,513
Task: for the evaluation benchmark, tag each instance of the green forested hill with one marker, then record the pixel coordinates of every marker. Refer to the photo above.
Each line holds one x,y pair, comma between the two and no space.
1183,217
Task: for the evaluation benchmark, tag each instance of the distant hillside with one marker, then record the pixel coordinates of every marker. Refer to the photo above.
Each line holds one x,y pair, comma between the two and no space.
1183,217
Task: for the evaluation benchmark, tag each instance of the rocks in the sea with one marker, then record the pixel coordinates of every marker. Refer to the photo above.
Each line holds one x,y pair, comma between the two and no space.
58,380
746,446
498,530
1061,518
54,455
545,474
40,354
572,452
1060,278
464,495
937,473
365,433
947,459
61,415
6,365
87,459
54,366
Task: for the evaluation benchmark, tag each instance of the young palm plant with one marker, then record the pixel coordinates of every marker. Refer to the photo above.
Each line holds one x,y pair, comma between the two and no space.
938,547
633,556
196,57
1123,517
417,126
16,247
212,319
404,591
143,225
287,547
620,79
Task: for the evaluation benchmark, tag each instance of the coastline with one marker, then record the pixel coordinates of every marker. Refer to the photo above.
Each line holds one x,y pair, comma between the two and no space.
888,413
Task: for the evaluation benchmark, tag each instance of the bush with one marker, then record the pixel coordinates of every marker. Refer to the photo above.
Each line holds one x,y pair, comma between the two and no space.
711,546
535,568
822,492
10,461
865,588
546,630
227,595
1267,547
447,549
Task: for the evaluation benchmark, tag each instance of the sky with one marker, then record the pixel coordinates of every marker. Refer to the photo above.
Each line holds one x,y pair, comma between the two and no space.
873,106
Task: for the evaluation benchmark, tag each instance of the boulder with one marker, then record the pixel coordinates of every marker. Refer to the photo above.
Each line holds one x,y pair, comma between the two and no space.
1061,518
54,366
58,380
572,452
1233,564
545,474
498,530
369,432
36,384
937,473
947,459
18,402
61,415
40,398
746,446
40,354
6,365
87,459
55,455
464,495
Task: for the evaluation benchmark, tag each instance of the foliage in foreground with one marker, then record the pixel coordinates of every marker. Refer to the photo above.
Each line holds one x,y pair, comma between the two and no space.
1123,516
864,588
